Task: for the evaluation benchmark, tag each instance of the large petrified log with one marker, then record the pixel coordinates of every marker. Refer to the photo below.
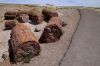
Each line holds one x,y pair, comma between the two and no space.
24,44
52,32
9,24
22,18
10,15
48,14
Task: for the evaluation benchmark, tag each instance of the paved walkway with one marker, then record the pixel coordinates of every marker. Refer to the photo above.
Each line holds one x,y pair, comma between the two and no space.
85,47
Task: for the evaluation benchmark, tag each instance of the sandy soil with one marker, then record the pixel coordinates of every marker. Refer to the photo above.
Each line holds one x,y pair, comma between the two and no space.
51,53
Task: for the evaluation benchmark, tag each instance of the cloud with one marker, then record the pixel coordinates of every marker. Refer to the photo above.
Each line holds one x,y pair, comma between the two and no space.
89,2
57,2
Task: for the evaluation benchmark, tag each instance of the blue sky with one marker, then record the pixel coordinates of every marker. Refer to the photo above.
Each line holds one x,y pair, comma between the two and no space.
94,3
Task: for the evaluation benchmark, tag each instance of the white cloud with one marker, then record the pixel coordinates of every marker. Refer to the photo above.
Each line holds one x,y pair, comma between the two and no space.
57,2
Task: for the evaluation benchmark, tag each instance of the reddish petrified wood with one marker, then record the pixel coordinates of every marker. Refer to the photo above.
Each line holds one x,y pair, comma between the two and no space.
48,14
10,15
52,32
9,24
24,44
22,18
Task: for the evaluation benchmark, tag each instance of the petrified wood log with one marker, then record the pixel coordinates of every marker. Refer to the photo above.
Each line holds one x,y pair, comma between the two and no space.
37,17
52,32
24,44
34,15
9,24
22,18
48,14
10,15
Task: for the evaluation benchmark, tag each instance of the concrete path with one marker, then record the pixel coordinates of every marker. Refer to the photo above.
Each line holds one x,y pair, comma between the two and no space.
85,47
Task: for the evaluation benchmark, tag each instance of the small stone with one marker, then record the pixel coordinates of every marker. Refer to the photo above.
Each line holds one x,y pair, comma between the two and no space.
63,24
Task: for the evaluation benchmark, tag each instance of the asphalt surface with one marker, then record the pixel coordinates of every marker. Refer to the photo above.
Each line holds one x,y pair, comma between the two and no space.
85,47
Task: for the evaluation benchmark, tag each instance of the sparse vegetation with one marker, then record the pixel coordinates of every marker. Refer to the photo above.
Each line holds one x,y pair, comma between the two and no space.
29,5
51,8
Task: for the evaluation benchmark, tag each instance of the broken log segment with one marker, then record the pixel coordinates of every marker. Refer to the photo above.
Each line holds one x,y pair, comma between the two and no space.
10,15
23,18
24,44
52,32
37,17
9,24
34,15
48,14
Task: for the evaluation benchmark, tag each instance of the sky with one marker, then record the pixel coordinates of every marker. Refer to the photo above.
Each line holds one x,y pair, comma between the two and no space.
91,3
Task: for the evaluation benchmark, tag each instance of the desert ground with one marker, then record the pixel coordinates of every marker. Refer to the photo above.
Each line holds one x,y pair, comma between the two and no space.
51,54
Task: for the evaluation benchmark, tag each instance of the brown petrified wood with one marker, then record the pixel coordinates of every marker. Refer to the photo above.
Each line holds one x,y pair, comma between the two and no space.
24,44
22,18
48,14
34,15
9,24
37,17
52,32
10,15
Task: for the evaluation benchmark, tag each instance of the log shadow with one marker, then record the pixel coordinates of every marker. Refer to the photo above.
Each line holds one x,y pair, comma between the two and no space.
10,50
6,29
33,23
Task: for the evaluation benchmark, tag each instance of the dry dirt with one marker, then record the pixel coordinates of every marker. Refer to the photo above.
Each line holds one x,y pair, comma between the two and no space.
51,53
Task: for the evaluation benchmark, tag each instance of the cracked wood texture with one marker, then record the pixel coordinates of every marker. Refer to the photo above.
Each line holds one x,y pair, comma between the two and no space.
24,44
52,32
